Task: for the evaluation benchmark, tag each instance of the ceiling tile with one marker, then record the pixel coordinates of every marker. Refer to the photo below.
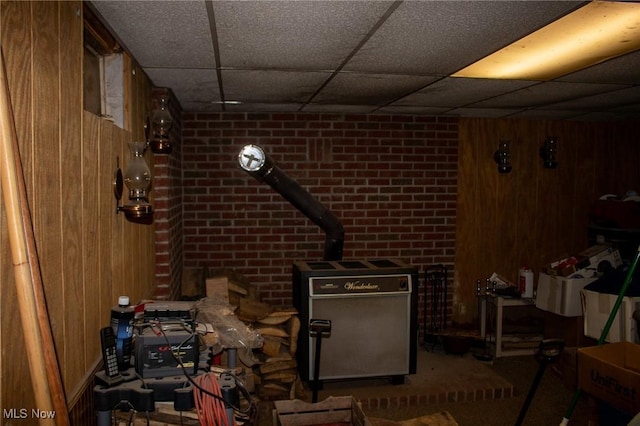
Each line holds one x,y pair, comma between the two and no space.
256,86
601,101
545,94
622,70
550,114
453,92
340,108
483,112
195,89
295,35
396,57
263,107
368,89
413,109
162,33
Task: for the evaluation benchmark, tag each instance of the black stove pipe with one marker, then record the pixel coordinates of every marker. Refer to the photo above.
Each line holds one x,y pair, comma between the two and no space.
258,164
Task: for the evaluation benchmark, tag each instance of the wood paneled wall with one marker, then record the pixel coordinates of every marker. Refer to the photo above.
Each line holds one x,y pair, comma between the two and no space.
88,254
532,215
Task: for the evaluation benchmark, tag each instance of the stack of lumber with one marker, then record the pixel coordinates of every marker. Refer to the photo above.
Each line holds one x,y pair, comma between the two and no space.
275,376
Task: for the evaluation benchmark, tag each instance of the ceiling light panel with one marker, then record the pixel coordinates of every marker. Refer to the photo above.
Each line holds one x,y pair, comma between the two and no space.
594,33
440,37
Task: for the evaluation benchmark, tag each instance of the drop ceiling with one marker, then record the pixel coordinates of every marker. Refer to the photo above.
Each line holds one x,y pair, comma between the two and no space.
392,57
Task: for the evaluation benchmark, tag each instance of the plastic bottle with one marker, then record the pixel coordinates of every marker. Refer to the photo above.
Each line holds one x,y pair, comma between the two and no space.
122,317
525,282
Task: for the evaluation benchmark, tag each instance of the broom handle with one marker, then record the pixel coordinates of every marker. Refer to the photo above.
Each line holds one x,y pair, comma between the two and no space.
605,331
43,363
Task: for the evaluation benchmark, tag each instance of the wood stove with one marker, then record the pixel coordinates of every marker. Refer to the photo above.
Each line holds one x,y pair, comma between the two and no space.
372,306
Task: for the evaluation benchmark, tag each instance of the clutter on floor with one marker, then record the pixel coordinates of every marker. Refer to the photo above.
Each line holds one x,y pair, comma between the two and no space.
251,347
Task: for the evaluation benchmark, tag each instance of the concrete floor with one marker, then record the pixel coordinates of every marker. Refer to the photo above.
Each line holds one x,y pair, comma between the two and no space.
472,392
439,378
549,405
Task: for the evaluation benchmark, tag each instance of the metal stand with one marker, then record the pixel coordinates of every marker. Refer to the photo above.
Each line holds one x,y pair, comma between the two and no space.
548,351
435,277
318,328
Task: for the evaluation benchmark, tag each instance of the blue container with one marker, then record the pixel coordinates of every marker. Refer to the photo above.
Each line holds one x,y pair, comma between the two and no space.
122,317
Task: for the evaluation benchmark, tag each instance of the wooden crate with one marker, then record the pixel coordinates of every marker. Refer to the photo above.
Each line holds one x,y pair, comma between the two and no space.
333,410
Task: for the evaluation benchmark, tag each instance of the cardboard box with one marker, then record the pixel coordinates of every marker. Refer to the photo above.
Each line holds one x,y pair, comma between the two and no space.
560,295
598,306
339,409
611,373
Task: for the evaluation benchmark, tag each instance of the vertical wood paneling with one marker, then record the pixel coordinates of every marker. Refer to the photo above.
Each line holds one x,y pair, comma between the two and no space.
119,247
532,215
45,200
625,142
505,208
571,212
128,239
546,205
69,157
92,278
468,211
605,178
71,164
525,218
15,30
107,158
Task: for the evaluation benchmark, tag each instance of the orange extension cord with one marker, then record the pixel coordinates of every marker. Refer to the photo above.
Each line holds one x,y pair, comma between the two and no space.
211,411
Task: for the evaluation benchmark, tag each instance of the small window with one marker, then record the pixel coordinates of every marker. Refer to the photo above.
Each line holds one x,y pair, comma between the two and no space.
103,83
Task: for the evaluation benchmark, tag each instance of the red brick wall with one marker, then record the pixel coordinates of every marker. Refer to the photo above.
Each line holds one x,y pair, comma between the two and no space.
390,179
167,205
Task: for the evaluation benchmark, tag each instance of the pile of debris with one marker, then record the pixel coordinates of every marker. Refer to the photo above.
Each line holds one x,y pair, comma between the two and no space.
271,369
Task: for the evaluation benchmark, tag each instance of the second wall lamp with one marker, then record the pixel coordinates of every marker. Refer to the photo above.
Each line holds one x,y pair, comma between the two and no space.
549,153
161,123
137,177
503,157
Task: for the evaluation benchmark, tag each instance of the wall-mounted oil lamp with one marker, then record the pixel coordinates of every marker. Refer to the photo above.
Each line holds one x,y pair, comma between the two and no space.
503,157
549,153
137,177
161,123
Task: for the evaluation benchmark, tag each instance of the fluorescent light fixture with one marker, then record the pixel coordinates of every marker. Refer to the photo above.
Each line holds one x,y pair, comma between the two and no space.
226,102
594,33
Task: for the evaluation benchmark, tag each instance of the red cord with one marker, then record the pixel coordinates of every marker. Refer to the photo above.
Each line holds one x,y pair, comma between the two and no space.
211,411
